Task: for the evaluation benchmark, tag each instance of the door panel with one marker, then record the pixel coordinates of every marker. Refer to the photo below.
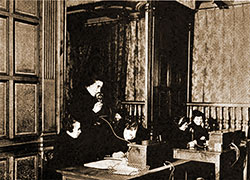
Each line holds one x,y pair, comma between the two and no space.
3,4
50,108
26,167
3,109
25,108
26,7
3,168
19,75
26,44
3,47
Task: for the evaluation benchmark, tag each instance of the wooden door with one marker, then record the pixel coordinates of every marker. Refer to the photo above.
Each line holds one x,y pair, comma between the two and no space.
31,62
171,61
19,72
31,57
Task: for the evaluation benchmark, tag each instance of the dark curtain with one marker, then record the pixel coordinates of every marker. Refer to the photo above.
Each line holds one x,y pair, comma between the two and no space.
101,48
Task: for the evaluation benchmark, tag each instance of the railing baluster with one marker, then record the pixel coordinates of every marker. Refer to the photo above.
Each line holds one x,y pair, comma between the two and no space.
236,118
222,117
218,117
134,109
248,123
237,115
228,116
231,118
241,119
245,121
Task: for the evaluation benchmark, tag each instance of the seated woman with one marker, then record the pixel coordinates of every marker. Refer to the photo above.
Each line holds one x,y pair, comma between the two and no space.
190,133
198,130
132,132
182,133
66,149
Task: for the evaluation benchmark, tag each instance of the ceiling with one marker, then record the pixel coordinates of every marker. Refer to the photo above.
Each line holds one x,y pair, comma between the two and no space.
97,8
130,6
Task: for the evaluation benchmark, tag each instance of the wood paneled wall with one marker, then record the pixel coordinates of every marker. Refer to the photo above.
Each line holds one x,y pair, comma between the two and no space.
31,75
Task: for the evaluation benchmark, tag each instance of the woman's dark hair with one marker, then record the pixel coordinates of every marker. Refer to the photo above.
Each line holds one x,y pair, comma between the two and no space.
131,124
197,113
93,70
90,78
181,120
68,123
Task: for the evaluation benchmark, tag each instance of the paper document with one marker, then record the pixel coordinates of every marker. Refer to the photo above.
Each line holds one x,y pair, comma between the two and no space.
103,164
116,166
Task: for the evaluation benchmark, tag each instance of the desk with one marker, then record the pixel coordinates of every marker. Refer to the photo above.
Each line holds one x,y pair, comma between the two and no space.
204,156
86,173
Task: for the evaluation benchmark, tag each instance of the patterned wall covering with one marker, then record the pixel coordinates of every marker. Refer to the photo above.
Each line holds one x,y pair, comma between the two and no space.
135,86
221,52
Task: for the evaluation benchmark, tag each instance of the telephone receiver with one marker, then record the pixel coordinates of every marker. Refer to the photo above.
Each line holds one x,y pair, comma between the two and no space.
99,97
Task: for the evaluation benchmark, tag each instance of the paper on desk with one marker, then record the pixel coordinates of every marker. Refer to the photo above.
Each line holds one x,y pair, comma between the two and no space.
103,164
124,169
116,166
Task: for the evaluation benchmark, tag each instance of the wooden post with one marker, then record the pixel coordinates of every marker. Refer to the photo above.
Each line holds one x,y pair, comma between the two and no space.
149,59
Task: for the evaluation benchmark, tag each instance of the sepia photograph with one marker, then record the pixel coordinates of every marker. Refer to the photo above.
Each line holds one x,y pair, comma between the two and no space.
124,89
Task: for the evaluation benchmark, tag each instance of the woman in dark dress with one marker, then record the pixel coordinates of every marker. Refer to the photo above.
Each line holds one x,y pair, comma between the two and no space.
191,133
198,130
66,149
84,104
88,106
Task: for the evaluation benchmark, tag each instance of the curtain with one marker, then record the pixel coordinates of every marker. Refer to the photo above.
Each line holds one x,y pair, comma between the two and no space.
98,48
135,84
220,70
119,46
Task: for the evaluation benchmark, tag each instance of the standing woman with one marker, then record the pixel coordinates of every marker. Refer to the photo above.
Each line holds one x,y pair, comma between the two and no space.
97,139
85,106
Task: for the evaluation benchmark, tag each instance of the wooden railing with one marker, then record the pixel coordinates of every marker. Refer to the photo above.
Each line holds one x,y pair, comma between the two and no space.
228,116
134,109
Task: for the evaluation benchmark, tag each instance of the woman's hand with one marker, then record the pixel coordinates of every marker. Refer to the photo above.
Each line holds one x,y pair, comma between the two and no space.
191,144
202,138
118,155
117,117
97,107
184,126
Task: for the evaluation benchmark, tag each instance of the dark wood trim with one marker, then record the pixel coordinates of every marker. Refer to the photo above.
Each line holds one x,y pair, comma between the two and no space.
217,104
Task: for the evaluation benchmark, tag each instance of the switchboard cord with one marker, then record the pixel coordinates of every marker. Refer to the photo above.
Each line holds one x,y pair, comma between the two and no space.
102,117
237,151
172,168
